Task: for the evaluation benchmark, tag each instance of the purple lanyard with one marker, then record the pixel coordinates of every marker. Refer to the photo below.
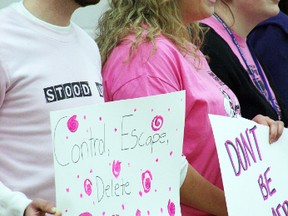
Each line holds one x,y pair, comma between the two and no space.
251,72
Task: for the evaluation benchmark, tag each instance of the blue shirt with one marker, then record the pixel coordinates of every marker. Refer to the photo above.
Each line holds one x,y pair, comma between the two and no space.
269,39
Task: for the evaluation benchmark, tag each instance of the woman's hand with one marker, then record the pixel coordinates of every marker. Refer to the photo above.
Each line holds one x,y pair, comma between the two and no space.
275,127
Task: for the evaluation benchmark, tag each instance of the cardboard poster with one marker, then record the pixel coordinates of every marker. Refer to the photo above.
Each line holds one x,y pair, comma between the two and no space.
119,158
254,172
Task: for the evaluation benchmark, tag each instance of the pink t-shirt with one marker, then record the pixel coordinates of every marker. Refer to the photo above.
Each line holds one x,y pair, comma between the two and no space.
164,70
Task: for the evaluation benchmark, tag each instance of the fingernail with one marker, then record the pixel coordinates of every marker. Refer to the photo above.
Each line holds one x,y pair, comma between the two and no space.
53,210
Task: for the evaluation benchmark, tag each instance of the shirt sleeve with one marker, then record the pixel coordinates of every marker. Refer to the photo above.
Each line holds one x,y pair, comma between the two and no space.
183,169
143,86
149,72
12,203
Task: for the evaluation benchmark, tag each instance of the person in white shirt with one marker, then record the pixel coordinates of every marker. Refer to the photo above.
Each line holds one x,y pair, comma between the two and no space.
46,63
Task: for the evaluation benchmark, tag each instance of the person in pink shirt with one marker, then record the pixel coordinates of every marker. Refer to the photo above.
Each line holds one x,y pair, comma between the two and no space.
236,64
146,49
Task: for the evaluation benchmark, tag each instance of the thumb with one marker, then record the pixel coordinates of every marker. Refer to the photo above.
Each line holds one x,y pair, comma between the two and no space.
44,206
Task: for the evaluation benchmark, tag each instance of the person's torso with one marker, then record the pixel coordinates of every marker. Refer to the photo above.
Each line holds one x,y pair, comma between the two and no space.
166,70
255,93
41,70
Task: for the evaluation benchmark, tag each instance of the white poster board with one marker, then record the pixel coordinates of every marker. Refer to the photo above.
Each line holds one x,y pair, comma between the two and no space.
120,158
254,172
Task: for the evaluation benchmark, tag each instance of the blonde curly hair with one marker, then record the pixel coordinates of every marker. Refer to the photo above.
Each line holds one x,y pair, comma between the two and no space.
146,19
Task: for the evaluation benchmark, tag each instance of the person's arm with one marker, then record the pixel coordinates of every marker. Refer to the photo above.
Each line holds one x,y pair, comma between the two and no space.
12,203
199,193
17,204
183,169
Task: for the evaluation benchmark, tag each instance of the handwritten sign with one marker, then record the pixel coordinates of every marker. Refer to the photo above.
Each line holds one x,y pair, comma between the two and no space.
119,158
254,172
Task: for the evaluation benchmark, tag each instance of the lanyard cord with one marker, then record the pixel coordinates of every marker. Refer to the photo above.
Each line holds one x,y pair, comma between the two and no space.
249,68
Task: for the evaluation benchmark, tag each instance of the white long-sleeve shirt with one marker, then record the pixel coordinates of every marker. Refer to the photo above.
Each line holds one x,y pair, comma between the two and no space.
42,68
12,203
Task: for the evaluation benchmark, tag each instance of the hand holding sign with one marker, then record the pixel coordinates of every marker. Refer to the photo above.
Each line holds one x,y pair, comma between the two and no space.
253,171
120,158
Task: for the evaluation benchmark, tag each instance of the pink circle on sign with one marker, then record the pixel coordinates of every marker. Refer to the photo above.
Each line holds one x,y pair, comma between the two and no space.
146,181
171,208
86,214
88,187
73,124
157,123
116,168
138,213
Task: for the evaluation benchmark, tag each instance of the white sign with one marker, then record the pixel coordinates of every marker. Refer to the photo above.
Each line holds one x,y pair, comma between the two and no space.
120,158
254,172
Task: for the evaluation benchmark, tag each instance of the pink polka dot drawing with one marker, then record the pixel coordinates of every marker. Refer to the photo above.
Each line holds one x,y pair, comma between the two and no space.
116,168
171,208
146,181
72,124
88,187
157,123
138,213
86,214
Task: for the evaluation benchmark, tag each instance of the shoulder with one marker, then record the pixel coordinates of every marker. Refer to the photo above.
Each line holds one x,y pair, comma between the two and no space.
161,49
82,34
214,43
279,21
269,32
8,16
153,63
